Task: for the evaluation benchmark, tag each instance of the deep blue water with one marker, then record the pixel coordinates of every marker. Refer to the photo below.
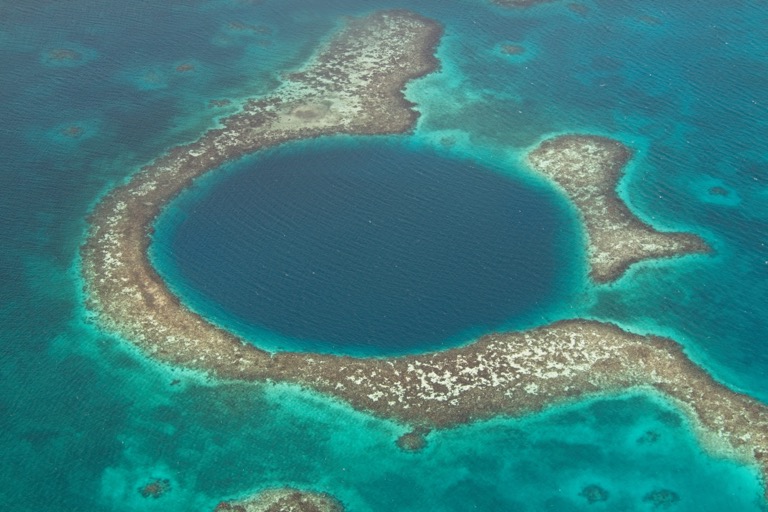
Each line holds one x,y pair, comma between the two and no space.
86,421
371,247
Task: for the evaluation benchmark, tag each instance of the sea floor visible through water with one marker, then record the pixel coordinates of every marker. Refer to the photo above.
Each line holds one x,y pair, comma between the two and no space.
93,90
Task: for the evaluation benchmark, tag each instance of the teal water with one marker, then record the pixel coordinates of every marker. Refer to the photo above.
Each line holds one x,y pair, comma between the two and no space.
85,421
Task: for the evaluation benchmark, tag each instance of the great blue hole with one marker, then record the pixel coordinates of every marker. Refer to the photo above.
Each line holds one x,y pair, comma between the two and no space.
365,248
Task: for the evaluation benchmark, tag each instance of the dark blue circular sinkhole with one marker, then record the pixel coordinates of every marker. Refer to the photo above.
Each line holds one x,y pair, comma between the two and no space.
365,248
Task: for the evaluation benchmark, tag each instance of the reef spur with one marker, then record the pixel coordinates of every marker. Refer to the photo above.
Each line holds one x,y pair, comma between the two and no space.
588,168
354,85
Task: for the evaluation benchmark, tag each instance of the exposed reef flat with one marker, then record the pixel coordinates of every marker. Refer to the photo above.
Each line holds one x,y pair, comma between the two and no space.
283,500
354,86
588,168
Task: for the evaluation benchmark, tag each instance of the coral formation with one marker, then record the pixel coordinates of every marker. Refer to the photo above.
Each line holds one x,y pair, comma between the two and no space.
156,488
588,168
283,500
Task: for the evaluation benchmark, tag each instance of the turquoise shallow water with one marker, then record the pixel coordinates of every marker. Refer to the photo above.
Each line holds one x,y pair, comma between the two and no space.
85,421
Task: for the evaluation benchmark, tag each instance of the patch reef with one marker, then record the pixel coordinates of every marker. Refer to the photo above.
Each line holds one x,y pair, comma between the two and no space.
354,86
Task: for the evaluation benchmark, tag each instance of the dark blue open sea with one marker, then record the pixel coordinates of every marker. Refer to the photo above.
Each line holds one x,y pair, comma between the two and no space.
376,246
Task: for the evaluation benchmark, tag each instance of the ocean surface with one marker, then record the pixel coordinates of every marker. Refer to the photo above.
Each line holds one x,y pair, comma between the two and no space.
90,91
